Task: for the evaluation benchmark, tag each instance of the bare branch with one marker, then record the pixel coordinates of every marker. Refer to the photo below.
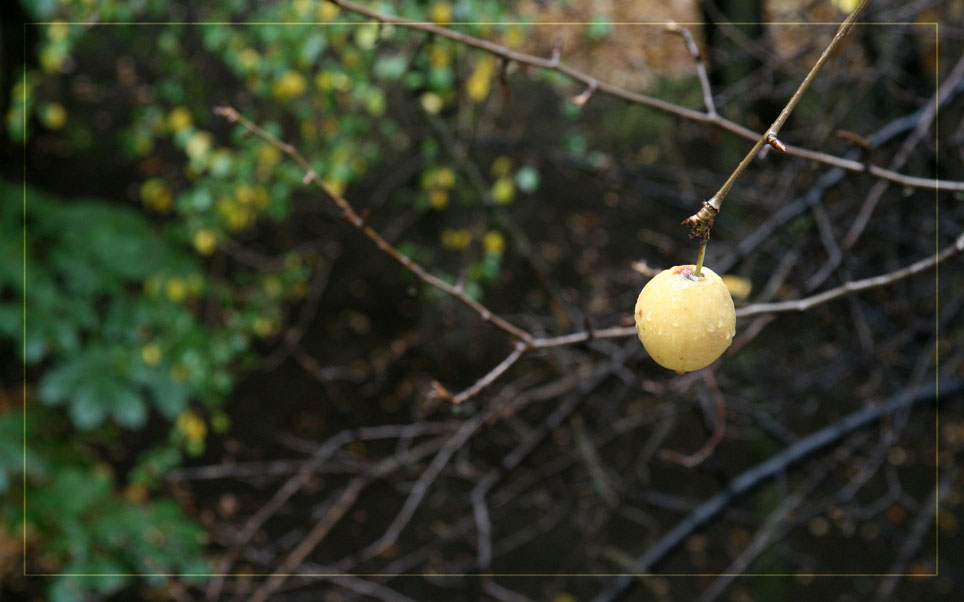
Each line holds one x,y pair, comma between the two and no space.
770,136
957,73
762,472
719,428
517,352
358,221
334,513
922,525
700,64
649,101
852,287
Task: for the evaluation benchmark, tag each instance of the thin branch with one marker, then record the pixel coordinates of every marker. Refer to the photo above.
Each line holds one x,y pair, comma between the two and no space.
642,99
922,525
349,214
333,514
701,226
492,375
852,287
781,462
700,64
300,479
804,304
776,525
955,76
719,429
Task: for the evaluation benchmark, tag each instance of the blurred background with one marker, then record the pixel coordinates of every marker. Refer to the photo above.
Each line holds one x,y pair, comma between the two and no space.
220,375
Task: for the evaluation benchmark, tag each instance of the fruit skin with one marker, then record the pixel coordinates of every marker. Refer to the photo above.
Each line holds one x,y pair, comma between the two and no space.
685,324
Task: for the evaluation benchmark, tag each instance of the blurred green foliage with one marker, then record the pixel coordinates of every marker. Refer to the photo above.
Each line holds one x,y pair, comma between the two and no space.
127,329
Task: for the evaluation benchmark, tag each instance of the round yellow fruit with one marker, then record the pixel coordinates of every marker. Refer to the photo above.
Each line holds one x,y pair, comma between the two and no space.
685,324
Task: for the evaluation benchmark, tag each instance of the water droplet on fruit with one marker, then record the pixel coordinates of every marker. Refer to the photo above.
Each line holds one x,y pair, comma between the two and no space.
719,324
675,324
711,328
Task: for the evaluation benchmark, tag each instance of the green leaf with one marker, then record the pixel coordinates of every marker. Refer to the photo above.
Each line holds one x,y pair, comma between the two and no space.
130,411
527,178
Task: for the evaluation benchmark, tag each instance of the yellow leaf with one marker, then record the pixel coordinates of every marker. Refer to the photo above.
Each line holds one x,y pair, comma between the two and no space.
441,13
151,354
432,103
493,242
478,86
54,116
503,191
739,287
438,198
179,119
205,241
846,6
289,86
175,289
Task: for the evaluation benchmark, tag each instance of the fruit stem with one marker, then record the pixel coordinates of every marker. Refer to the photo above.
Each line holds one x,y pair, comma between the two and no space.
698,272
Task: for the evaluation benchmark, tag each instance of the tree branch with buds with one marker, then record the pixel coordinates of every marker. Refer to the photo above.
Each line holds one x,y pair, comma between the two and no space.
701,222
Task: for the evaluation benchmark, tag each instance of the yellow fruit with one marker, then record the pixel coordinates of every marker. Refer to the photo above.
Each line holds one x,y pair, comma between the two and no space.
684,324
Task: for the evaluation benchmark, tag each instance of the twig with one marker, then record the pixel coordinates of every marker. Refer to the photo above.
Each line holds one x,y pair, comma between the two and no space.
649,101
852,287
352,217
719,429
492,375
922,525
590,457
875,194
702,221
700,64
334,513
307,313
804,304
753,477
297,481
775,526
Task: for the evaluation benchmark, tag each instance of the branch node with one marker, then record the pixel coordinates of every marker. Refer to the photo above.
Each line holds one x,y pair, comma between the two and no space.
775,142
504,76
701,222
440,392
586,94
229,113
363,218
556,54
